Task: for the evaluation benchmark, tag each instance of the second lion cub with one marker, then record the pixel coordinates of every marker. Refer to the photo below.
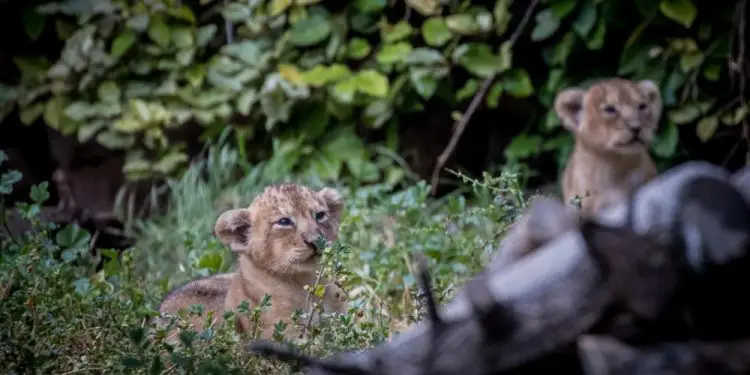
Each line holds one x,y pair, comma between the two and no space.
275,240
613,122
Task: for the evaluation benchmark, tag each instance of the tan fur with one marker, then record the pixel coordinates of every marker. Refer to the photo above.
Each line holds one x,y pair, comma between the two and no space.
613,122
273,259
211,291
279,258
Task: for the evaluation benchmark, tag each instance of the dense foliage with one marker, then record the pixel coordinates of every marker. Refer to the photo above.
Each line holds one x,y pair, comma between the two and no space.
60,314
298,77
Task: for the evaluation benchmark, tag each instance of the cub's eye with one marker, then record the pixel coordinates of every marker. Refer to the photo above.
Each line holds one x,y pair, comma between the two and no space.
610,109
320,216
284,221
642,106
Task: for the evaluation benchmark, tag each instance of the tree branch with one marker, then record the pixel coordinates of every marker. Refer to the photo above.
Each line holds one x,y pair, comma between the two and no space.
460,126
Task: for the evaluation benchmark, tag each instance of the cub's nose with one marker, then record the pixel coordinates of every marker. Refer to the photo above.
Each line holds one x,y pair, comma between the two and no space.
312,240
312,246
633,125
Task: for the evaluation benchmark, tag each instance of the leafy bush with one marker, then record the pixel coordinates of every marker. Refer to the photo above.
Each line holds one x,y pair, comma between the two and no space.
294,77
60,313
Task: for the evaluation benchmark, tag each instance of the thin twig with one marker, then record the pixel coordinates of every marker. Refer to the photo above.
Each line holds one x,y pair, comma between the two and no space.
460,125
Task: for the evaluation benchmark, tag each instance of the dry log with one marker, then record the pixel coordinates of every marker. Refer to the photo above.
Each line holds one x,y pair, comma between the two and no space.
603,355
638,254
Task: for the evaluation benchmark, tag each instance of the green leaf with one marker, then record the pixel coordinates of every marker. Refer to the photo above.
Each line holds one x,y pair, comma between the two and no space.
321,75
392,53
310,31
595,41
586,20
183,12
424,7
344,90
72,236
691,60
358,48
246,100
469,89
506,56
712,72
463,23
493,96
372,83
516,82
122,43
665,144
435,31
182,37
394,33
205,35
426,56
706,128
370,6
479,60
423,81
278,6
8,179
731,118
236,12
32,67
86,131
33,22
546,25
377,113
523,146
212,261
502,16
114,140
78,111
170,162
684,114
53,111
30,113
138,22
680,11
40,192
562,8
159,32
109,92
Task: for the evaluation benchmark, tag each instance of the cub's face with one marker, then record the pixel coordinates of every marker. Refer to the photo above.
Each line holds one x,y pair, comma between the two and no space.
281,229
616,115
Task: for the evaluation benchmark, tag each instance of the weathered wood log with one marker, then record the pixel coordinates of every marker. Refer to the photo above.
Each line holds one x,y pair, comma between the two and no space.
683,224
602,355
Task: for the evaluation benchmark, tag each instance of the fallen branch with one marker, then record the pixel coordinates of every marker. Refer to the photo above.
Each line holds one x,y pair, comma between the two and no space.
689,224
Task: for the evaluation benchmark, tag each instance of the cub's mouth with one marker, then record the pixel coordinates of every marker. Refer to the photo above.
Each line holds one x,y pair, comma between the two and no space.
635,141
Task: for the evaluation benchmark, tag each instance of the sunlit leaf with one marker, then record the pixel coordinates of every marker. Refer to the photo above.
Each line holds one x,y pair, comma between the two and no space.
435,31
681,11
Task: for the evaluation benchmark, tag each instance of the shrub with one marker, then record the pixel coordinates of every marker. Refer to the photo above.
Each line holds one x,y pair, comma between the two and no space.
61,313
293,78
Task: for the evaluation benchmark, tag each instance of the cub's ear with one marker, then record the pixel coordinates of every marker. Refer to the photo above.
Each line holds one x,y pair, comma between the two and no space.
333,199
650,89
568,106
233,229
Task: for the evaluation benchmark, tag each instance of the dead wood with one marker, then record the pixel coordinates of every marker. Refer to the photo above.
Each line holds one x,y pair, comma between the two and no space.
602,355
640,255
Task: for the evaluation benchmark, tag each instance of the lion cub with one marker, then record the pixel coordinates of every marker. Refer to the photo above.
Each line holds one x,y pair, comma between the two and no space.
275,240
613,122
